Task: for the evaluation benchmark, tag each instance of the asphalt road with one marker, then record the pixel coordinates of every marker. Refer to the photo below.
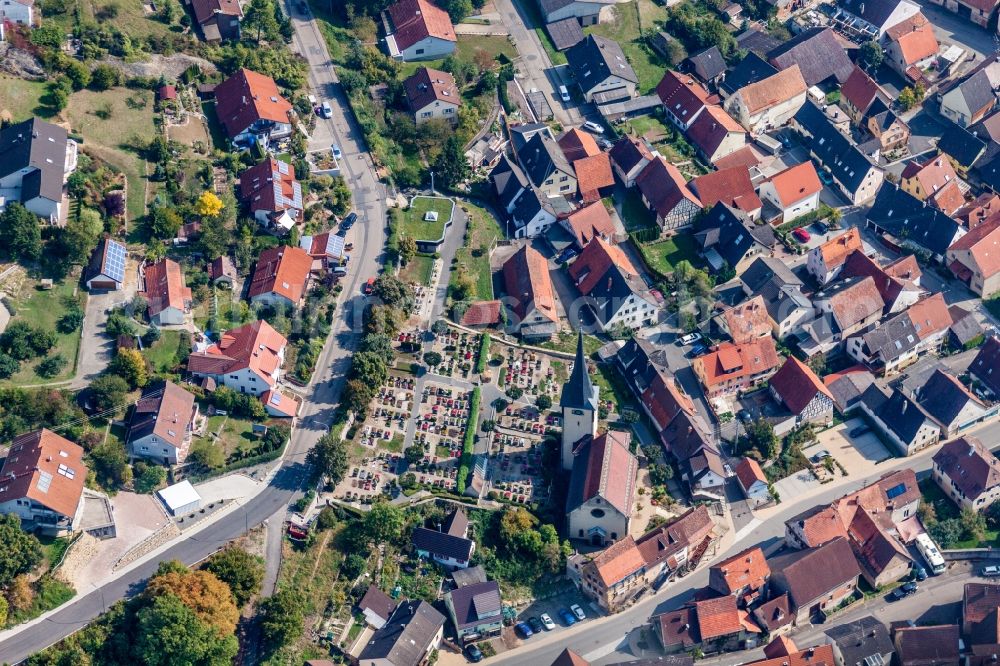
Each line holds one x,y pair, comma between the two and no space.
322,396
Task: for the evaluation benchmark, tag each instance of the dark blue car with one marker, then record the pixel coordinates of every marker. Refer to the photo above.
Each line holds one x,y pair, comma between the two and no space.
523,630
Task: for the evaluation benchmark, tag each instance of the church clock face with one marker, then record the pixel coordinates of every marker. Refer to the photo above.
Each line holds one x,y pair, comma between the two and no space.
577,412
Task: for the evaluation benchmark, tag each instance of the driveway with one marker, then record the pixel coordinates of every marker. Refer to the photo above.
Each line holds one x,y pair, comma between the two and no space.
96,348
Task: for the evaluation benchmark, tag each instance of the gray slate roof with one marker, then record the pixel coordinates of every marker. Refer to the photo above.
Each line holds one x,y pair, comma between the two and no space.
818,54
899,413
475,603
860,639
595,59
39,145
942,398
708,64
848,389
907,218
541,157
766,270
406,637
579,392
833,150
565,33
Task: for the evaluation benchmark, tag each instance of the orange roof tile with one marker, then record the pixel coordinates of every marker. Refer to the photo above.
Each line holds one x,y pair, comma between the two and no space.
414,20
821,655
282,270
593,174
527,280
930,315
590,221
748,320
594,262
165,287
46,468
745,157
246,97
834,252
748,472
856,302
796,183
481,313
618,561
983,243
932,175
797,385
256,346
949,198
717,617
577,145
730,186
773,90
915,37
822,526
729,361
744,570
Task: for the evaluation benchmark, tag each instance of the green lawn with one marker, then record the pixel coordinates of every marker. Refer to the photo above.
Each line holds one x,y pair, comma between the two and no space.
484,230
162,355
414,225
565,341
663,255
230,312
236,434
419,270
53,549
466,49
635,215
631,19
116,138
44,309
21,99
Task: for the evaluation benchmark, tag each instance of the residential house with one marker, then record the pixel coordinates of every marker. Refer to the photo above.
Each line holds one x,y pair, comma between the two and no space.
743,576
787,307
730,368
963,148
715,134
222,272
601,495
818,579
162,424
979,601
628,158
482,314
532,213
927,645
218,20
449,545
532,298
42,482
577,145
898,283
985,368
968,473
978,11
847,388
882,558
508,182
666,195
975,258
818,53
419,30
753,482
965,331
413,631
280,277
326,248
746,322
979,210
18,11
911,46
36,159
729,186
594,178
683,98
934,181
788,654
751,69
901,420
852,171
859,94
876,16
678,544
769,103
106,270
589,222
585,12
888,129
728,238
902,221
169,300
954,407
602,71
273,195
900,340
969,100
709,625
280,405
475,611
247,359
707,65
794,192
546,167
862,641
377,607
617,294
252,110
798,388
432,94
775,616
851,305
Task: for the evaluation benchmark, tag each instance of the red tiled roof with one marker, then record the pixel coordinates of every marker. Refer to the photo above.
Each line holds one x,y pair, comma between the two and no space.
577,145
595,260
569,658
681,95
46,468
593,174
276,402
414,20
166,414
730,186
745,157
915,36
797,385
246,97
949,198
821,655
526,278
165,287
983,243
717,617
428,85
665,541
207,10
782,646
270,186
481,313
930,315
221,267
973,213
888,285
730,361
711,128
610,470
860,90
796,183
748,472
748,320
970,465
744,570
834,252
590,221
678,628
256,346
282,270
665,400
932,174
663,186
618,561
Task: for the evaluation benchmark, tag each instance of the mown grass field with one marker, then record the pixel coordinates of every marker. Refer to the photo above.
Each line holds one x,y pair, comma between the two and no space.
631,19
44,309
413,223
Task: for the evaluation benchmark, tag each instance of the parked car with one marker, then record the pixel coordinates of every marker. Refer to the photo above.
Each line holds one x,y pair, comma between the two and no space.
690,338
523,630
919,572
563,93
860,430
990,571
580,615
547,622
591,126
369,286
821,455
568,618
349,221
567,254
825,177
336,152
536,625
904,590
744,415
801,234
697,350
325,110
474,654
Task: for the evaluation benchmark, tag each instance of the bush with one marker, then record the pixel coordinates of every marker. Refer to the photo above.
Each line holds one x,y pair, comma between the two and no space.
484,353
468,444
147,478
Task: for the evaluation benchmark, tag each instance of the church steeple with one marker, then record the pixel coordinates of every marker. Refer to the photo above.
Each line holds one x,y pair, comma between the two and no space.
578,392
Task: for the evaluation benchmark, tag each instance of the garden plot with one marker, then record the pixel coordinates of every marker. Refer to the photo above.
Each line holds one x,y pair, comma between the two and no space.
459,351
388,414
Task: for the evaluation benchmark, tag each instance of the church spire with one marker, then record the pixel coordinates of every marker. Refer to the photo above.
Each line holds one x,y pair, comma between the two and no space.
578,392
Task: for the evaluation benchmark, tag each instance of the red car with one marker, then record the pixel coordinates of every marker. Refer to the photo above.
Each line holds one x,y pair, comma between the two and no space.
369,286
801,234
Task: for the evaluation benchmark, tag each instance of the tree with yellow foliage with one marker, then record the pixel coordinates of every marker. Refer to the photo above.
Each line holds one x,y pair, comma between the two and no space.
208,597
208,205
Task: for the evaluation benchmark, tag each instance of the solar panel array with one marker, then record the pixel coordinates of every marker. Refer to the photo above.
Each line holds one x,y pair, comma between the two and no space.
114,261
896,491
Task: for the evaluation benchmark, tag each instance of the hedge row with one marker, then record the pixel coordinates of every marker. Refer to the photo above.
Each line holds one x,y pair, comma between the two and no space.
484,354
468,446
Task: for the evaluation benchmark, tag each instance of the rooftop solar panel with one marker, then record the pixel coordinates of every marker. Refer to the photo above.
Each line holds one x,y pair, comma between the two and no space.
114,261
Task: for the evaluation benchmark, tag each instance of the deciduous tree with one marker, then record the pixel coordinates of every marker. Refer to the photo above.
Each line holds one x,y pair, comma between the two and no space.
208,205
20,551
238,569
169,633
209,598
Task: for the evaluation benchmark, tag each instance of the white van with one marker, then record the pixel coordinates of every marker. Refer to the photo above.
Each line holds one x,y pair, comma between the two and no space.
563,93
